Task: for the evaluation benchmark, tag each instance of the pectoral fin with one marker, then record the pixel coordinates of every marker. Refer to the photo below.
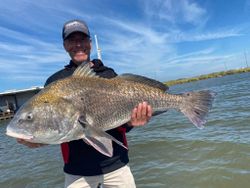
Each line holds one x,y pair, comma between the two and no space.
101,144
99,139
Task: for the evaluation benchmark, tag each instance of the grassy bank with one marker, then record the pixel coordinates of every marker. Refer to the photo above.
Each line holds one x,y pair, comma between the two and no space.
206,76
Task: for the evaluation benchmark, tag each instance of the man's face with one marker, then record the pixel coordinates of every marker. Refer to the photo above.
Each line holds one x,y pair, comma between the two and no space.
78,46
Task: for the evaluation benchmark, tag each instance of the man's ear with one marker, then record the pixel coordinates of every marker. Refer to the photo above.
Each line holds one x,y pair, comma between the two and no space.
65,46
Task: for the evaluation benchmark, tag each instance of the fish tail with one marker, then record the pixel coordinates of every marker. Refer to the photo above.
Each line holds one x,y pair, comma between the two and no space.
196,105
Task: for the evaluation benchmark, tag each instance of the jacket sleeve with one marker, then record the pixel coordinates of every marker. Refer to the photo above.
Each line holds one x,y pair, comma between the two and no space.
127,127
102,70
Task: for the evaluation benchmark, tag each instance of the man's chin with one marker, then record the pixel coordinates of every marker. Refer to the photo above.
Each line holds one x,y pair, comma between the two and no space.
80,59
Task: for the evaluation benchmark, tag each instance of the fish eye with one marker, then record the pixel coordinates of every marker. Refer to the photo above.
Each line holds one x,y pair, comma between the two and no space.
29,116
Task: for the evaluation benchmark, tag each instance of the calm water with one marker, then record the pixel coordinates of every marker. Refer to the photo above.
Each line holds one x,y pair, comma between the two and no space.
168,152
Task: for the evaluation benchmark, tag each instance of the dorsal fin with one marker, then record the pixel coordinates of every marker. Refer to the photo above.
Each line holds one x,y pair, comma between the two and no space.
84,70
144,80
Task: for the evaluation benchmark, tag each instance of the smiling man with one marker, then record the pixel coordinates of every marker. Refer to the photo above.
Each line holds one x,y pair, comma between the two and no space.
77,41
84,166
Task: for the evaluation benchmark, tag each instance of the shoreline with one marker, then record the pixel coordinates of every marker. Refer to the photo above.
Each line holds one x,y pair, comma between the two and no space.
206,76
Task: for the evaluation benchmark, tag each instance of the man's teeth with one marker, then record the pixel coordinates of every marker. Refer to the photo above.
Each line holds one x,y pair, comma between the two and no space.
81,51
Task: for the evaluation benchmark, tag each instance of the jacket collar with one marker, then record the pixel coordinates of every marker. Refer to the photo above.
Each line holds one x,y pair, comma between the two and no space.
71,65
97,65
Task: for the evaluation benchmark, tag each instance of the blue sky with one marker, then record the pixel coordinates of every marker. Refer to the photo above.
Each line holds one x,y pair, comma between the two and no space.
161,39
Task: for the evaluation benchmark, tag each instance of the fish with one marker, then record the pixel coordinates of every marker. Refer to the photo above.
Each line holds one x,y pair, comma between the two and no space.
84,106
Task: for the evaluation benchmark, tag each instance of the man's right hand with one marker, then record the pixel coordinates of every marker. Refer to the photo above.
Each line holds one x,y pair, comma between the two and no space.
29,144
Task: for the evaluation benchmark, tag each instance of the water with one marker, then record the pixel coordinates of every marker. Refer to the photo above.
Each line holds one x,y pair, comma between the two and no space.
168,152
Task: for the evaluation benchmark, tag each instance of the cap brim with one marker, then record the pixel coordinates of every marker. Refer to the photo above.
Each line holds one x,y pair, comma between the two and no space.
74,31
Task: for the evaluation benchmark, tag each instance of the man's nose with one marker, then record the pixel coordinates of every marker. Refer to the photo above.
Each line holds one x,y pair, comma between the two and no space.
79,43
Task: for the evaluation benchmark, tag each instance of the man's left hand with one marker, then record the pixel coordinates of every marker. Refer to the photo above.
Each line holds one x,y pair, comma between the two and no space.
140,115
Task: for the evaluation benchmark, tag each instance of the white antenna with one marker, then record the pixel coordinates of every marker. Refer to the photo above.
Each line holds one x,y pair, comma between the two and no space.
246,58
98,49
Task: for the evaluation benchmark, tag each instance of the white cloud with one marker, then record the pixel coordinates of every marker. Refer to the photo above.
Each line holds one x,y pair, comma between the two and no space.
137,28
176,12
202,52
195,36
135,48
192,12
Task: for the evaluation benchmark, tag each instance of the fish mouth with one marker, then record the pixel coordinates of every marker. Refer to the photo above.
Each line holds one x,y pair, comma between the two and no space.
19,135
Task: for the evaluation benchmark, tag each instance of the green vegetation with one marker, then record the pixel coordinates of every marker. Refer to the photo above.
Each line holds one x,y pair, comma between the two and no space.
203,77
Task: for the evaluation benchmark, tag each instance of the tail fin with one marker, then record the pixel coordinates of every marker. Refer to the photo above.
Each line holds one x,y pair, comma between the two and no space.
196,106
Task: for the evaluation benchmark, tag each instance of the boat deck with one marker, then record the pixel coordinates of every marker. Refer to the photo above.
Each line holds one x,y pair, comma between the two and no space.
6,115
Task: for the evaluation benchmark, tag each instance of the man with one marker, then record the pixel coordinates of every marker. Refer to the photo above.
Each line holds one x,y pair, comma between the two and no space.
83,165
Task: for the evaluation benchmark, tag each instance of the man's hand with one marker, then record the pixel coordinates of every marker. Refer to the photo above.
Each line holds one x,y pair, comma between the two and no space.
29,144
140,115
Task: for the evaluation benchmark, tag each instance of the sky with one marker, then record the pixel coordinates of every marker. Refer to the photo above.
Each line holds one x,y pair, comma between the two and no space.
161,39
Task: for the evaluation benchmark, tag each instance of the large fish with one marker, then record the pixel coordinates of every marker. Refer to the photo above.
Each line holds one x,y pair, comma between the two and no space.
84,106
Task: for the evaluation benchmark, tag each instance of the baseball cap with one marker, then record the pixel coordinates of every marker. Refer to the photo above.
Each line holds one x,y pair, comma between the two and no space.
74,26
